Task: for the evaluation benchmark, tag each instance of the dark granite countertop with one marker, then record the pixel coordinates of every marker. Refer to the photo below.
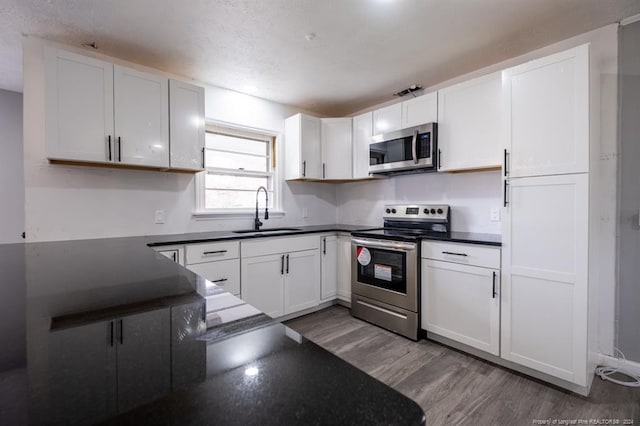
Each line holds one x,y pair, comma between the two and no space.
116,332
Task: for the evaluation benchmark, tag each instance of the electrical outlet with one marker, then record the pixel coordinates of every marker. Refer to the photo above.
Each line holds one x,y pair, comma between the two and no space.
159,216
495,215
305,212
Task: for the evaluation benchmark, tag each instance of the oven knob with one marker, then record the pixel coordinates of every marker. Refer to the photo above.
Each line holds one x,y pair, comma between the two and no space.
439,211
393,211
433,211
426,211
388,210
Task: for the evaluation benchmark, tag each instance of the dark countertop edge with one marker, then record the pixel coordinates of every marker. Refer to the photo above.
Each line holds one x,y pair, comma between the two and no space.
302,231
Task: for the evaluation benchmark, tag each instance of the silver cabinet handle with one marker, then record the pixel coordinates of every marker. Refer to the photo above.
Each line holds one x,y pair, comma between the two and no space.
387,245
214,252
455,254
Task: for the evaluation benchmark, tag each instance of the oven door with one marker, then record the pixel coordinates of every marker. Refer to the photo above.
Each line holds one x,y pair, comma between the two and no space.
406,149
386,271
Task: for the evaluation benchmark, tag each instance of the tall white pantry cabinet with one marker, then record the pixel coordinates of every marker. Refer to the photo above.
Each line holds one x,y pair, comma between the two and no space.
545,263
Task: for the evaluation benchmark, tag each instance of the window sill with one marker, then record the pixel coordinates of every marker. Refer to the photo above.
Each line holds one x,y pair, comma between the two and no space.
234,214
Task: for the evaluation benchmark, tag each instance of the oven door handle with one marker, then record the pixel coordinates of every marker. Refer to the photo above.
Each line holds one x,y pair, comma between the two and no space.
385,245
414,146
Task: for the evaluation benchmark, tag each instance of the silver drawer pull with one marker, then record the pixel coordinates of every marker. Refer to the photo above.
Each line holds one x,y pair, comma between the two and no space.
220,280
214,252
455,254
378,308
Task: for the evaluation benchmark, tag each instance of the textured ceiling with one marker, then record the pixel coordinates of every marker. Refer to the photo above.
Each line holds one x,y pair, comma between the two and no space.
364,50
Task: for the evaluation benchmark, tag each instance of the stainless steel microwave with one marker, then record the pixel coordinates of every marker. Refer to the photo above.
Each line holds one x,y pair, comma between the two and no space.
408,150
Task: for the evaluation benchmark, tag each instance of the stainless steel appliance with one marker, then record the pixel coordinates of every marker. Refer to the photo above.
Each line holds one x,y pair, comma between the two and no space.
385,284
405,151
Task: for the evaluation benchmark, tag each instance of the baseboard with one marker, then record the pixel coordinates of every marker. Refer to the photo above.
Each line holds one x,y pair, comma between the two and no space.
628,366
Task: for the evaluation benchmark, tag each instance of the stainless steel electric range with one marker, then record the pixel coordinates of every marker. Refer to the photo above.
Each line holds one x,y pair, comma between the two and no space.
385,273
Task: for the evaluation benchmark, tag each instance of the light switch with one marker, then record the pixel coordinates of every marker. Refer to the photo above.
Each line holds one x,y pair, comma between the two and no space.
495,215
159,216
305,212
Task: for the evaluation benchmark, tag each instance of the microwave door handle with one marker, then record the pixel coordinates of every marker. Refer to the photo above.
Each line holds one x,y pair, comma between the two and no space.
414,146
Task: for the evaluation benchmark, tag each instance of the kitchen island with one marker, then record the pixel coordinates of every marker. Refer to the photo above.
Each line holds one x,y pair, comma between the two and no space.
115,332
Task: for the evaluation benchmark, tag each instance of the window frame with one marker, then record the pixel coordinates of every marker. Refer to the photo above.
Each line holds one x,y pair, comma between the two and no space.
231,129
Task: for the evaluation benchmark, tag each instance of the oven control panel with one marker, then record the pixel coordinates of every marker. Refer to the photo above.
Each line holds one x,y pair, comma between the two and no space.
424,212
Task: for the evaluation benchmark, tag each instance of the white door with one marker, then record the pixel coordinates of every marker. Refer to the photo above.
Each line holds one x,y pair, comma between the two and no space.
387,119
186,129
302,280
141,118
420,110
329,274
344,268
262,283
546,115
469,124
310,147
224,273
362,132
462,303
79,107
337,147
544,275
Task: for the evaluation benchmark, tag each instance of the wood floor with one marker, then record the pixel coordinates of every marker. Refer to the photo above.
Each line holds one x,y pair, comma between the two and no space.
455,388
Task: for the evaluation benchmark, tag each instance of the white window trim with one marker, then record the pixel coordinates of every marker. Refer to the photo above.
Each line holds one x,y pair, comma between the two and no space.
202,213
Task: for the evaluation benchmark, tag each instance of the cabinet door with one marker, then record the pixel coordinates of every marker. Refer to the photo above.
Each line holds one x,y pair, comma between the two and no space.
336,144
144,358
262,283
141,117
79,107
329,274
186,125
344,268
302,280
225,274
544,275
420,110
362,133
82,374
310,147
469,124
462,303
387,119
546,115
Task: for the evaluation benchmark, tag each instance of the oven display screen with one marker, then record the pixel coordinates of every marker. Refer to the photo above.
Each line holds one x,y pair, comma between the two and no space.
412,210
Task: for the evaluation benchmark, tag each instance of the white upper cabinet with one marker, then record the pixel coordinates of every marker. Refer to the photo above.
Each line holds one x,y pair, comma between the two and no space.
546,115
79,107
98,112
336,146
141,117
186,126
469,124
420,110
302,151
387,119
362,133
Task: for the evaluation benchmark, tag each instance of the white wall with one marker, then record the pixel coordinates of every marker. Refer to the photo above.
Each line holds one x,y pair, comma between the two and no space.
75,202
11,168
472,196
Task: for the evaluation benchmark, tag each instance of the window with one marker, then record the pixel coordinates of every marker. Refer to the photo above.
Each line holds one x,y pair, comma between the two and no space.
237,162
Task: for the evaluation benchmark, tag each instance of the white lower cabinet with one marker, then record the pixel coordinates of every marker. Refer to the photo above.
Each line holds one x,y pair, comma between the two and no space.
329,267
545,275
280,282
461,293
462,303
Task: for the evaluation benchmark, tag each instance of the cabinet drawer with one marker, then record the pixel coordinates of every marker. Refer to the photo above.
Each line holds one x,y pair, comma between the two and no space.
210,252
267,246
225,273
466,254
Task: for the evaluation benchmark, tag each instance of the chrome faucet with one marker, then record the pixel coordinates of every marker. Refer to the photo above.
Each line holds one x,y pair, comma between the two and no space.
256,223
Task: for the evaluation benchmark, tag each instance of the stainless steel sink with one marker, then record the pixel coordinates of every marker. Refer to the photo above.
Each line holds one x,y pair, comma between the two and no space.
265,231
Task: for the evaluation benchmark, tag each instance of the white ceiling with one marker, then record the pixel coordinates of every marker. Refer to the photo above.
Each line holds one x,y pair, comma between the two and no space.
364,50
